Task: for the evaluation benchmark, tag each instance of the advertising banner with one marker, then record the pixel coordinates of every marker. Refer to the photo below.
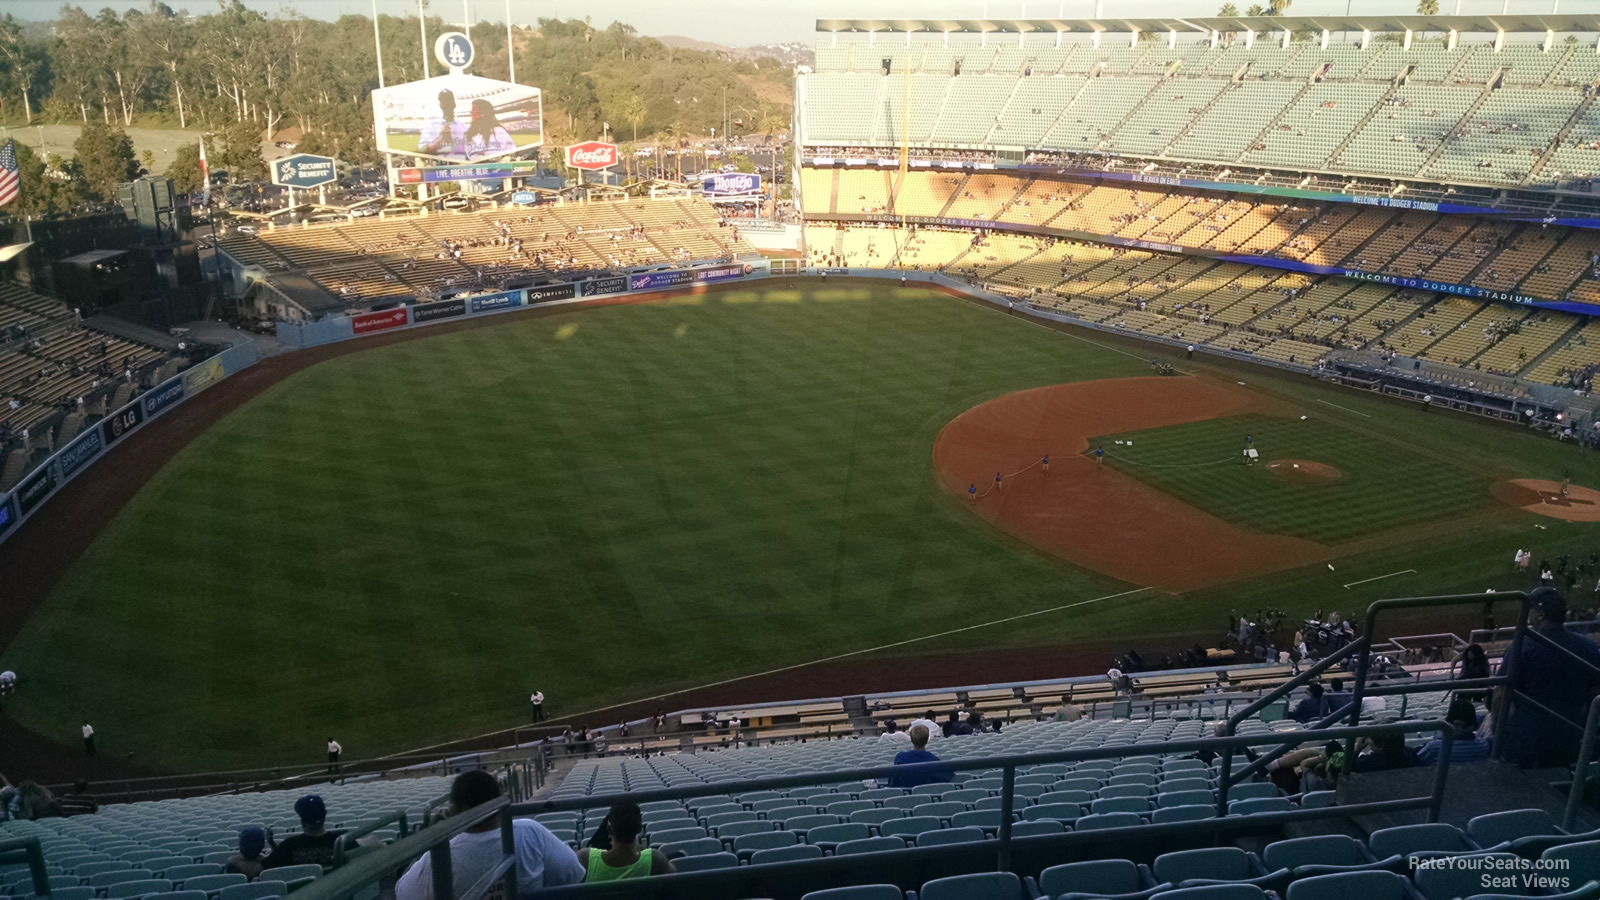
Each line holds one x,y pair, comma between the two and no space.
162,396
444,309
592,156
645,281
121,422
34,489
502,300
524,198
366,323
614,285
485,172
457,118
8,515
551,292
721,273
732,183
198,378
84,449
303,170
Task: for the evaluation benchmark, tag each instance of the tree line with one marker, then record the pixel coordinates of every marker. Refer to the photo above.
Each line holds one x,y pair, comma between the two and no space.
240,75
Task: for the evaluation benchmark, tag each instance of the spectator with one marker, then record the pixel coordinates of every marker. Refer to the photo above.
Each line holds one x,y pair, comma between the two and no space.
1531,738
892,734
8,682
333,755
314,843
1383,752
622,858
537,699
1467,747
917,754
80,802
542,859
248,861
1474,664
34,801
88,738
1337,698
1312,708
926,721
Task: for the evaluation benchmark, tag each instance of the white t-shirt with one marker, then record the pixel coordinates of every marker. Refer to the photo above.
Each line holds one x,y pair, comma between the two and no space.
899,737
88,730
333,747
7,677
543,861
538,696
934,731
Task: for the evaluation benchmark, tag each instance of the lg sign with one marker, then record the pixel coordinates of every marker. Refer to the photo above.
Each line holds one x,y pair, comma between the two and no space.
592,155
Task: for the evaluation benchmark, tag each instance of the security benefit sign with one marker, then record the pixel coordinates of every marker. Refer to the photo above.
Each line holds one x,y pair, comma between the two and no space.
304,170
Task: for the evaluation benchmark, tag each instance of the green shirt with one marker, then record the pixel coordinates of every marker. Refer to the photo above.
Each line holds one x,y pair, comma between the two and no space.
599,871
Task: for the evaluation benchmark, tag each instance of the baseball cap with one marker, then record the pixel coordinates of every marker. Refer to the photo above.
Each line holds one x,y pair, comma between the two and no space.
310,808
251,842
1549,601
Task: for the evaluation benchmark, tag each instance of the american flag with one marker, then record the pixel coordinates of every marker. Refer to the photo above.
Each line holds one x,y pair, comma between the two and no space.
9,184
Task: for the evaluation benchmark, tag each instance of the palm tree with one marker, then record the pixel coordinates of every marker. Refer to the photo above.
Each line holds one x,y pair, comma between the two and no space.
1428,7
633,110
1228,9
1277,7
1255,10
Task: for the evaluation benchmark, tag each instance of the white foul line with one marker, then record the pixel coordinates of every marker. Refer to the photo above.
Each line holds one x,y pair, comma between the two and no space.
815,662
1345,408
1380,577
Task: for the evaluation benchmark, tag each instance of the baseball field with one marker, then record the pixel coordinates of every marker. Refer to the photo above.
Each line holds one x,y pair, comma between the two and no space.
395,546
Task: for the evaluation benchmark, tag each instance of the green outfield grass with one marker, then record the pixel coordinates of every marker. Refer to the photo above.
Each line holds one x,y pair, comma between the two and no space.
1382,484
396,546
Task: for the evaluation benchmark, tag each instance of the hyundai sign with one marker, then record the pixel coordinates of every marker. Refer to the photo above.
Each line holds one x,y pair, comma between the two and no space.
592,156
303,170
733,183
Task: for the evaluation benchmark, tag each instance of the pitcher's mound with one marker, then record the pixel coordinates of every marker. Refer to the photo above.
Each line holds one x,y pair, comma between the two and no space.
1544,498
1302,470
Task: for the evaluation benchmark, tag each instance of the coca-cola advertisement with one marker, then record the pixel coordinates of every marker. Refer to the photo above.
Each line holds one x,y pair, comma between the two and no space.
592,156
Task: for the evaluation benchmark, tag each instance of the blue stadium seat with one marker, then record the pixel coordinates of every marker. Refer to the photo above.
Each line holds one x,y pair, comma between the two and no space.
91,869
1253,789
979,886
910,827
940,810
747,844
674,835
1319,799
877,816
107,879
1441,882
846,807
785,854
1034,829
180,874
1138,805
212,884
1185,798
803,824
1347,885
949,836
987,819
689,863
740,829
1187,868
261,890
1056,812
1406,840
293,876
828,836
1494,829
1580,861
177,895
869,845
692,847
1125,790
1080,798
1255,805
1213,892
1095,878
858,892
138,888
1191,813
1322,854
1101,821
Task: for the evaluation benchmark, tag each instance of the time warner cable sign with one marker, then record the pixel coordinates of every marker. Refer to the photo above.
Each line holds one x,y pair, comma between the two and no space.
303,170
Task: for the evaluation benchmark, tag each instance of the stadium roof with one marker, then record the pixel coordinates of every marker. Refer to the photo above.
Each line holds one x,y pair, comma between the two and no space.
1490,24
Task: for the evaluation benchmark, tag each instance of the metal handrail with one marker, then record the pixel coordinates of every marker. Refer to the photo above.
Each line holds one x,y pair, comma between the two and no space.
434,840
351,878
355,834
28,850
1580,772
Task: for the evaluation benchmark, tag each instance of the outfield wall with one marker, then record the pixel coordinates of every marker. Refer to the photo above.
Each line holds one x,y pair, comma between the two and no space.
83,451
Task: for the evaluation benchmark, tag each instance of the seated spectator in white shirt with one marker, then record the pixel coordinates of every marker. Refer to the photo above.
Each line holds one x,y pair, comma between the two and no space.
543,860
926,721
893,734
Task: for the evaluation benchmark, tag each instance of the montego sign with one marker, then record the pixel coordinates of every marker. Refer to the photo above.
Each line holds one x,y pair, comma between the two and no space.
592,156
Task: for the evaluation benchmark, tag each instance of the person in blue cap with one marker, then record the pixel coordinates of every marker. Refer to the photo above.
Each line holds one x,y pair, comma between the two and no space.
997,484
248,861
1046,462
972,492
314,843
1099,454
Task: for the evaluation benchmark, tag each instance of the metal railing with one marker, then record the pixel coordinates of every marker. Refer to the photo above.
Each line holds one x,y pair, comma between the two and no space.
364,871
30,851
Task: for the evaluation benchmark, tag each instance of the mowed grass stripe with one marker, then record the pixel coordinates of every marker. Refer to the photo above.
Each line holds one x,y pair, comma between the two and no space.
398,545
1382,485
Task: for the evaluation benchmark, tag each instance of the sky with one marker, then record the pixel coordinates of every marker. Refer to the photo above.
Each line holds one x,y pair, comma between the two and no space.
776,21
